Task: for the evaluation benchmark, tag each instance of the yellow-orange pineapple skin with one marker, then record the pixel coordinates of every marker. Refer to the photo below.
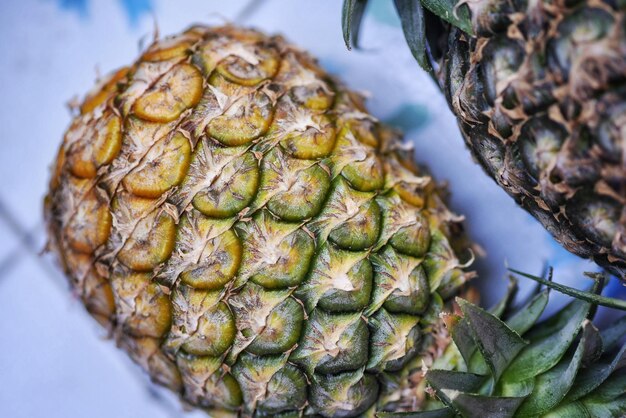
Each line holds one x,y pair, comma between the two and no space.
249,234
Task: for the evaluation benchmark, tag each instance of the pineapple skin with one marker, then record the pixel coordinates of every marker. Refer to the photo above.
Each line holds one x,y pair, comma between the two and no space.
250,235
539,91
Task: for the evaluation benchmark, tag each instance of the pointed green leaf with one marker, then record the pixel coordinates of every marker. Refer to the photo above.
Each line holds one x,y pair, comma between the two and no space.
446,379
552,386
612,388
413,25
437,413
447,10
614,408
578,294
463,340
498,343
613,334
590,378
575,409
529,314
515,388
546,351
351,17
487,406
505,302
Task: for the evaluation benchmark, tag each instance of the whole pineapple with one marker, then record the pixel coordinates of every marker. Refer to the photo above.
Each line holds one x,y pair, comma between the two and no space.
539,90
262,246
249,234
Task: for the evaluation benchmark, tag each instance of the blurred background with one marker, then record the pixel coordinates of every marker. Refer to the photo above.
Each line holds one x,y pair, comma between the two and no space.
54,360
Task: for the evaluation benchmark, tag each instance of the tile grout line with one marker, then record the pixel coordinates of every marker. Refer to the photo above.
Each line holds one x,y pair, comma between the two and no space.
26,240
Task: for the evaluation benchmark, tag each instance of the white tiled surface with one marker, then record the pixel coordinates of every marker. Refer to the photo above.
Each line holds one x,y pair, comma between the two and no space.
53,362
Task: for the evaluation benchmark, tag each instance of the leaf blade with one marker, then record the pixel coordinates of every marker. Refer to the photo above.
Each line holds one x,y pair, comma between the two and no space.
498,344
351,17
448,11
414,28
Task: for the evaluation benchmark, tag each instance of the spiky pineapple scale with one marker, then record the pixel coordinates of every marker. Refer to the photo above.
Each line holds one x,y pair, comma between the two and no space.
252,237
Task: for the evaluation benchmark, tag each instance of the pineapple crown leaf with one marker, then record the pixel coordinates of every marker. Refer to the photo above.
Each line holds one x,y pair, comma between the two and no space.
351,17
579,294
413,18
563,366
414,27
435,413
498,344
453,12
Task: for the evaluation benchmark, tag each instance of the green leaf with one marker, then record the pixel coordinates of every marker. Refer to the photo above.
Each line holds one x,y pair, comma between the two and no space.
351,17
529,314
413,25
557,334
463,340
612,388
446,379
498,344
576,409
614,408
487,406
437,413
504,303
552,386
613,334
590,378
578,294
447,10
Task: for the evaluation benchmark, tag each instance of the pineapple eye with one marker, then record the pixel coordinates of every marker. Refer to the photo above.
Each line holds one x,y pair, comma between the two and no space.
163,167
207,383
177,91
292,189
104,91
595,216
150,243
286,264
143,307
252,65
89,226
276,254
394,341
308,136
340,281
270,321
413,239
168,50
332,343
231,189
502,57
202,324
413,297
345,394
99,142
243,121
219,259
540,141
357,163
270,383
361,230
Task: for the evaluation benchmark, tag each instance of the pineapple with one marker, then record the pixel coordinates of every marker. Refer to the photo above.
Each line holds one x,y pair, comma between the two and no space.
538,88
262,246
248,233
